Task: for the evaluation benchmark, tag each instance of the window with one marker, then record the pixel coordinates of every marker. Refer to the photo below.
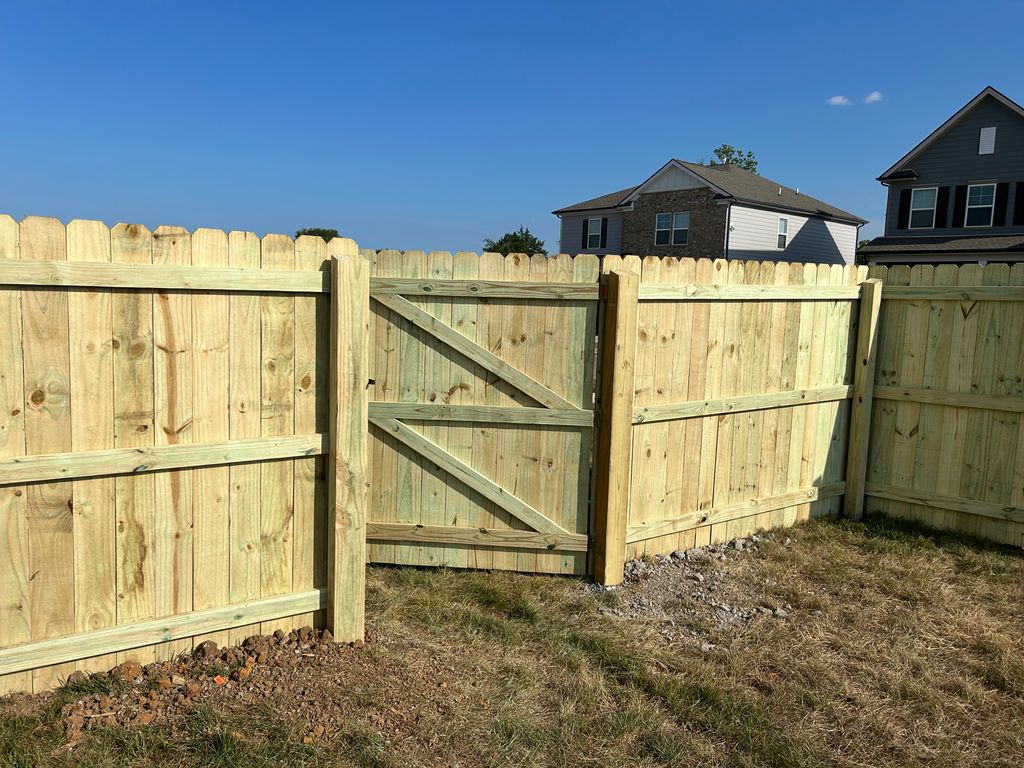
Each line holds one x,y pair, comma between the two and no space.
987,141
780,243
981,200
672,228
593,233
922,207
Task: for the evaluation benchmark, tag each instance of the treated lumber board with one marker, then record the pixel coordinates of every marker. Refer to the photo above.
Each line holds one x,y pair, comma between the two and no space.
746,292
863,391
1009,403
618,351
277,418
528,356
483,537
700,408
483,357
312,407
987,509
582,384
210,423
169,628
15,607
244,423
954,292
133,428
466,389
726,512
90,331
466,474
436,383
504,289
346,485
132,461
47,402
159,277
174,382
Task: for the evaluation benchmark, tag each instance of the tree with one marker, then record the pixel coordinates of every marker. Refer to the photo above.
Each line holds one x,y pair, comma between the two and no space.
520,241
326,234
727,154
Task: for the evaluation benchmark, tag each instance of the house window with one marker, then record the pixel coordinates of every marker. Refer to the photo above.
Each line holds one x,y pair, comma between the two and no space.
981,200
922,207
987,141
672,228
593,233
780,242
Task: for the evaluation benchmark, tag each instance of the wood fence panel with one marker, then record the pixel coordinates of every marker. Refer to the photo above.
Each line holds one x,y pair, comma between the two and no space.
96,566
444,472
749,430
945,441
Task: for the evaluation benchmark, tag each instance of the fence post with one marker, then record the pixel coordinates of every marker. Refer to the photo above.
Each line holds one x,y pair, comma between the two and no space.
614,450
863,392
347,493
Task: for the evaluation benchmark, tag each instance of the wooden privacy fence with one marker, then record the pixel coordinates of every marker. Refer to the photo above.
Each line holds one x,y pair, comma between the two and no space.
205,435
947,440
725,400
165,422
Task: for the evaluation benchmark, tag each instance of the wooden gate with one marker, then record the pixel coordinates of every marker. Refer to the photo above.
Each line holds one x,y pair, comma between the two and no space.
481,409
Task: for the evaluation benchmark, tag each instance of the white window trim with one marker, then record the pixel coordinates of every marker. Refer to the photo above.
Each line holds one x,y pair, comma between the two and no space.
586,223
910,220
671,229
785,234
991,208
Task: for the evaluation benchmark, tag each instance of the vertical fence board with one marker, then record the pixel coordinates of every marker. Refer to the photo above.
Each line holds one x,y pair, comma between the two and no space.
91,330
15,602
173,381
134,428
211,324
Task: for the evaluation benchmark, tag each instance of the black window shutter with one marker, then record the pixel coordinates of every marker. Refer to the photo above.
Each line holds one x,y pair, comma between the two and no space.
604,233
959,206
904,219
1018,205
941,207
586,230
999,213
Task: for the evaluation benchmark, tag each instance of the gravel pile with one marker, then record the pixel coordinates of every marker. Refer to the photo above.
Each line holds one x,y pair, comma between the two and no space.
693,594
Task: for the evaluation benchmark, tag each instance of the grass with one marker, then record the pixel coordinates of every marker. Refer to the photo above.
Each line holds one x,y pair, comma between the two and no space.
904,647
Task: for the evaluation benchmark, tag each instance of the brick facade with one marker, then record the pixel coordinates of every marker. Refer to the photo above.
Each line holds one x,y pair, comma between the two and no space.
706,237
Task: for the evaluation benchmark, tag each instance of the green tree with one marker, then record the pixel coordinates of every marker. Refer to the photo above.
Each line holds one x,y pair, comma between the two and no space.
727,154
326,234
520,241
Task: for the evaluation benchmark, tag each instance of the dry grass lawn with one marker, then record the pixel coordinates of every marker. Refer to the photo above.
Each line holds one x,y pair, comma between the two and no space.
902,648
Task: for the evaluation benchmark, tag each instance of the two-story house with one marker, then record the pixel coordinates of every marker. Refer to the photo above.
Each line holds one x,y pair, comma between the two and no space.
958,196
710,211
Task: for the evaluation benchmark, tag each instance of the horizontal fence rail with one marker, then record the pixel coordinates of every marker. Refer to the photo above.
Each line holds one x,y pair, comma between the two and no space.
159,277
697,409
695,292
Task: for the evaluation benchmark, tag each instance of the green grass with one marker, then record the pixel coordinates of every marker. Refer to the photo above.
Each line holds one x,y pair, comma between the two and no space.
904,647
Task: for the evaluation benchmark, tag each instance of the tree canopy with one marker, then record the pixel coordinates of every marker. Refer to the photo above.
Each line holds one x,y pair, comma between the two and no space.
727,154
520,241
326,234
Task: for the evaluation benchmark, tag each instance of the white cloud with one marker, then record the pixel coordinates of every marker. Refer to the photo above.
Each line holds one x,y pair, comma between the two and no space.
872,97
838,101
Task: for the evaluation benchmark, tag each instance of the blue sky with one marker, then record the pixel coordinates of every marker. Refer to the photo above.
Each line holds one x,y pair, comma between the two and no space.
434,125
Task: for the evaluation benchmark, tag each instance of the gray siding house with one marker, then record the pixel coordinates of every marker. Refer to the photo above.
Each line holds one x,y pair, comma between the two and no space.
710,211
958,196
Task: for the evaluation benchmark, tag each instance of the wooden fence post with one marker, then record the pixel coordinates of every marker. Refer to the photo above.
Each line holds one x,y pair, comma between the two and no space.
348,464
863,391
614,452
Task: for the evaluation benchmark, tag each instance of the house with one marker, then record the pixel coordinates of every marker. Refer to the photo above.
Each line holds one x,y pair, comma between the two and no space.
958,196
710,211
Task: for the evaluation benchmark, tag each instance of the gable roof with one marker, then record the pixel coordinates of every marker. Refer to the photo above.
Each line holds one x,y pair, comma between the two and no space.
730,183
899,170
